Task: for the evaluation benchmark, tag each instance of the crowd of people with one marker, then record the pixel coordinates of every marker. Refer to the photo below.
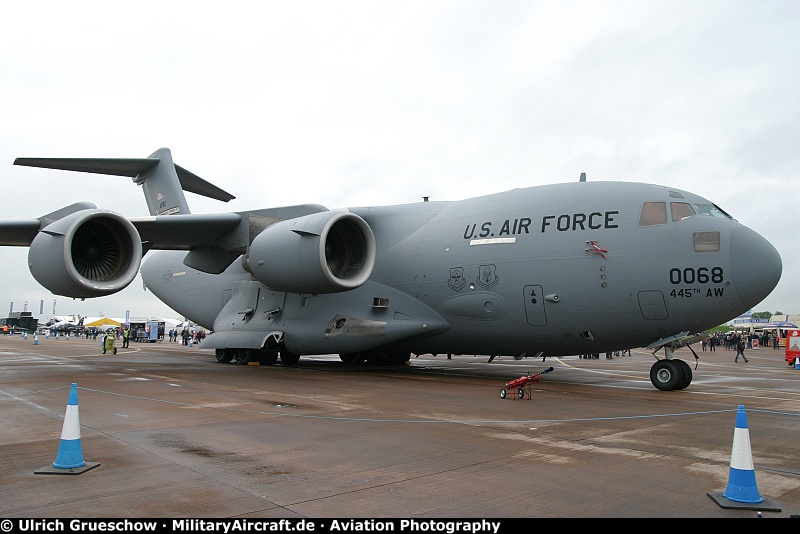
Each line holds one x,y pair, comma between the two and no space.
739,342
731,339
186,335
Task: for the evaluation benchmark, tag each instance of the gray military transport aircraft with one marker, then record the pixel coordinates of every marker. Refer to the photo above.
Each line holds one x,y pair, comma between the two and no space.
553,270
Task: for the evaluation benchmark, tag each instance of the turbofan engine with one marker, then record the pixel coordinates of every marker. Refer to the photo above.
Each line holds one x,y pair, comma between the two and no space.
90,253
325,252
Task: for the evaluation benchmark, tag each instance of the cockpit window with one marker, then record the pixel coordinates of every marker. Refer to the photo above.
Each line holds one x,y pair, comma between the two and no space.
712,210
653,213
706,241
681,210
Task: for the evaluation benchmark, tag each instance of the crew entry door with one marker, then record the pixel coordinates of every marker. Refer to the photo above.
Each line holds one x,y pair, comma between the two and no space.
534,305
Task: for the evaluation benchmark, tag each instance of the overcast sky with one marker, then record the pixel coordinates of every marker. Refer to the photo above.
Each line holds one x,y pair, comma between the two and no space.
346,103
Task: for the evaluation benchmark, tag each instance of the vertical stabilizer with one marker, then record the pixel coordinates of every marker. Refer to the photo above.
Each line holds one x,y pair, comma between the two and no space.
162,188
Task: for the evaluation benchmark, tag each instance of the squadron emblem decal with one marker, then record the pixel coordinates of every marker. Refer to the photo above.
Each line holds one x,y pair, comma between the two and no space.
456,281
167,276
487,277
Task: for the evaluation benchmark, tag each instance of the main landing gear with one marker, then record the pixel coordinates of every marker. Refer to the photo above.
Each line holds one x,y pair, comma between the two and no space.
267,355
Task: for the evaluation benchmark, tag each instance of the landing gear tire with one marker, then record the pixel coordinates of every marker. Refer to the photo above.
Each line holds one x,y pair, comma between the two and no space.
242,356
502,393
686,374
666,375
224,355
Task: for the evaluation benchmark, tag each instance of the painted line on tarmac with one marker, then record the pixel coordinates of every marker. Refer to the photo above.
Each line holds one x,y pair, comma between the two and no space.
423,421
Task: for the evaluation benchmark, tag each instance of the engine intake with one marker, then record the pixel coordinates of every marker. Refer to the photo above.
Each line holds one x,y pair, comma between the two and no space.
325,252
90,253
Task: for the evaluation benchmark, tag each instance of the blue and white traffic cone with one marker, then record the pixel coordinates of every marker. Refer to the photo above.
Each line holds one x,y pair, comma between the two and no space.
742,477
25,336
47,334
742,491
797,363
36,338
70,453
69,459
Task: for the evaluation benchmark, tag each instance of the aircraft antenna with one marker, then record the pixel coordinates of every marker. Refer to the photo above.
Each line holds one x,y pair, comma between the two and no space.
583,177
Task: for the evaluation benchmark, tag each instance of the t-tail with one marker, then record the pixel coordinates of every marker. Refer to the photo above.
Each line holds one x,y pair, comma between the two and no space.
161,185
163,182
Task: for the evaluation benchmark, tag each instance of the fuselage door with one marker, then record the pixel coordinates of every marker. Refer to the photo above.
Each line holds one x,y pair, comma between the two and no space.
652,305
534,305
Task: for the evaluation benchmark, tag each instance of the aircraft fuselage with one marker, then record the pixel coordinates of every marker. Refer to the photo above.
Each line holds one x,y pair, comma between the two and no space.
554,270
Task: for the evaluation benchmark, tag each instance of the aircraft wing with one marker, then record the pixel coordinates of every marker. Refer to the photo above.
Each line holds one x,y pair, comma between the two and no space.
168,232
160,232
18,233
21,233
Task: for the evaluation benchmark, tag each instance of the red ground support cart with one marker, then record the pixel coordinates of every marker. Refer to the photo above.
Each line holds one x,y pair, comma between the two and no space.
516,388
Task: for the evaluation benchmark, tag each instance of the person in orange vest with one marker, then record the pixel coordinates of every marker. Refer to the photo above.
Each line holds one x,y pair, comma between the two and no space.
5,329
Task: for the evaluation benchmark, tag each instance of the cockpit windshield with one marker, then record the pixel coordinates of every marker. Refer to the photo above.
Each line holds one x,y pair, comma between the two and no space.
655,213
712,210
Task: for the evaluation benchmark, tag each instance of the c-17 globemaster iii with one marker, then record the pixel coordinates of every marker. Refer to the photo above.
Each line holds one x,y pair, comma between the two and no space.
554,270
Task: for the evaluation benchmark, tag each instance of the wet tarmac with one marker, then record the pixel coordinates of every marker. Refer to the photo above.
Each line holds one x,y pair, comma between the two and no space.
177,434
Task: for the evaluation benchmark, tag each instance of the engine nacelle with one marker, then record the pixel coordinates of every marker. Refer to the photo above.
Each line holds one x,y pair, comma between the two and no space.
325,252
90,253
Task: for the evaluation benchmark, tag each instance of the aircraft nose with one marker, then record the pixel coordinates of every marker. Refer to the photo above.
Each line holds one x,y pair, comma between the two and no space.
756,266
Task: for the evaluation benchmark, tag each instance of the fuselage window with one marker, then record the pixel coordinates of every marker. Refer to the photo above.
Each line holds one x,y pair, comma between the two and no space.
706,241
681,210
653,213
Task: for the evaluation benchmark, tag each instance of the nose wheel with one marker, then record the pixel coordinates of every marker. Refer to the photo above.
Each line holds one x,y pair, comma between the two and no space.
669,375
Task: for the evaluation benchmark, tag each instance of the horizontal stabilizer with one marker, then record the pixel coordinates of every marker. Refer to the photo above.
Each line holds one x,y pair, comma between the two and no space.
131,167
